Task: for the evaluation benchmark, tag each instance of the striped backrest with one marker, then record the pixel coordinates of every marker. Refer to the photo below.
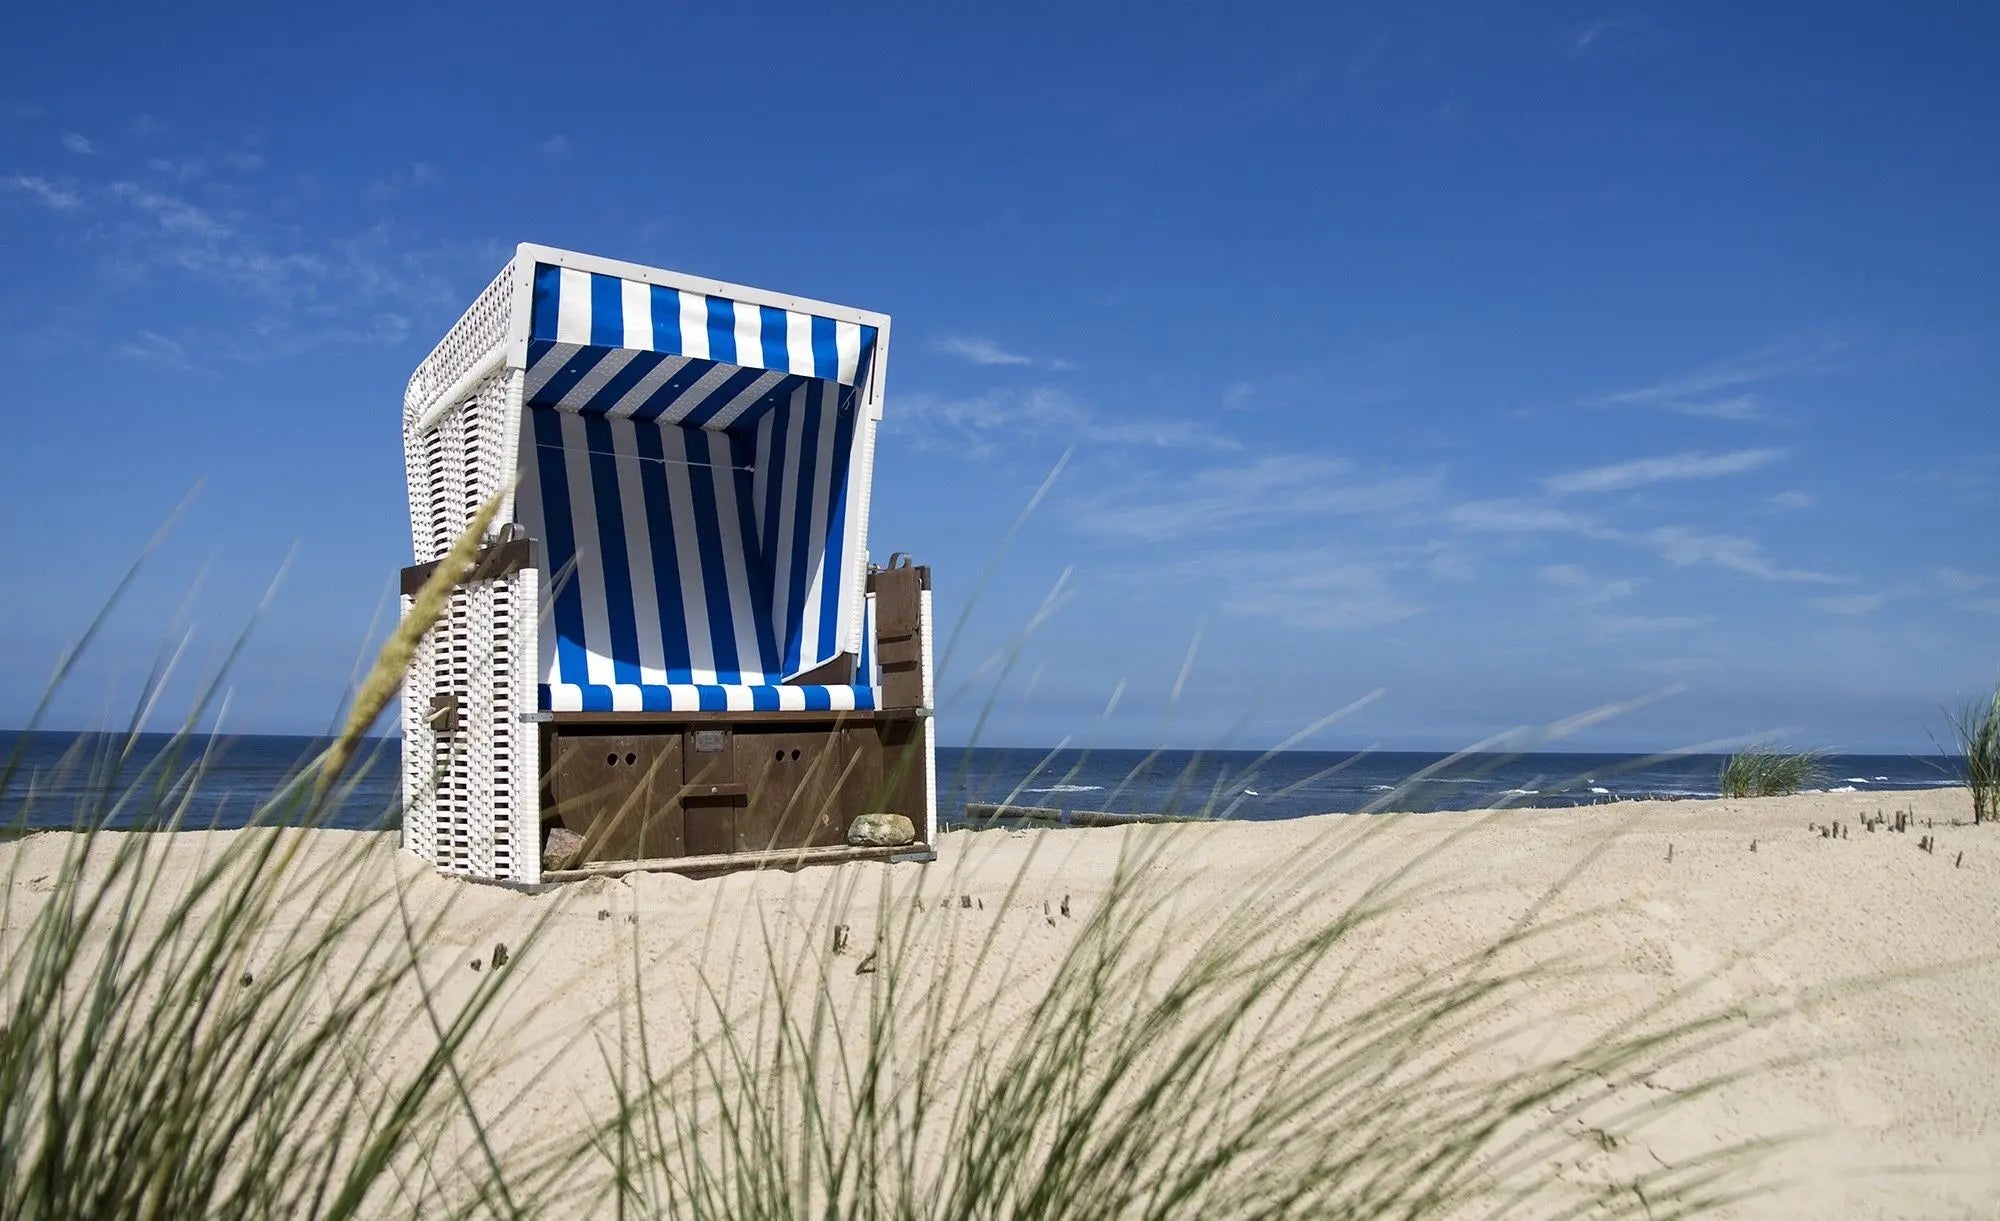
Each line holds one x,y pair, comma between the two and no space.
695,555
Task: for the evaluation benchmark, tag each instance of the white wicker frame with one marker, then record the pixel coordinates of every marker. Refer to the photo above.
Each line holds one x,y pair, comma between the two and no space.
472,802
472,797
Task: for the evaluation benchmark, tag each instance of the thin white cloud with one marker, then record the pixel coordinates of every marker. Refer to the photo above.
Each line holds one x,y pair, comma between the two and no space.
363,288
47,193
1723,390
1851,604
1338,597
1632,625
1589,589
173,214
986,352
1741,408
1588,35
79,144
1517,517
554,146
1670,665
1685,547
1645,472
985,424
1267,491
154,348
1677,545
1791,500
1958,581
1313,588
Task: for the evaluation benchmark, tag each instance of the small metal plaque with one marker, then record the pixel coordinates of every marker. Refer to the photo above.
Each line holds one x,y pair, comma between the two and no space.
711,741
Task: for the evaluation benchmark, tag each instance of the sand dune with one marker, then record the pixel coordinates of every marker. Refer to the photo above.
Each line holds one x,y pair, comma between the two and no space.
1902,1087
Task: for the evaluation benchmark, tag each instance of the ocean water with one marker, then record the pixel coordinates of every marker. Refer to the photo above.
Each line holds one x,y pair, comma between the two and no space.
1249,785
58,776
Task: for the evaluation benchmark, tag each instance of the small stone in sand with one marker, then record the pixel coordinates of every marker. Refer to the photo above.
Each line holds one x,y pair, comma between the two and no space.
562,849
499,954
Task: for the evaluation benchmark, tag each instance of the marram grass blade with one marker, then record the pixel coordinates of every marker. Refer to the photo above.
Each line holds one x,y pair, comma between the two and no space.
385,677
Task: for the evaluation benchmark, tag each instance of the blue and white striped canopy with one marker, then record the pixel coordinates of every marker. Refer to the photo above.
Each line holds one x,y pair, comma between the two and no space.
601,344
689,462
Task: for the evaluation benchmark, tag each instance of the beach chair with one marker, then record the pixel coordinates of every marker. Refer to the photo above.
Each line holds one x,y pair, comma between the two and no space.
672,651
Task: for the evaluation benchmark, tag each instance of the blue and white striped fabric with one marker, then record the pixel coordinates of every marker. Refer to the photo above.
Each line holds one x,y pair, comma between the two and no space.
709,567
604,345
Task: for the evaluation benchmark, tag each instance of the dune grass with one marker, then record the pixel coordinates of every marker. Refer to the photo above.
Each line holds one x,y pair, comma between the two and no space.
1761,772
177,1049
1976,729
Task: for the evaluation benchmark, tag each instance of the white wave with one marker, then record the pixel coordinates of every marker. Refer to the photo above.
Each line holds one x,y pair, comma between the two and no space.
1521,793
1854,780
1068,788
1252,793
1841,788
1881,777
1606,792
1381,788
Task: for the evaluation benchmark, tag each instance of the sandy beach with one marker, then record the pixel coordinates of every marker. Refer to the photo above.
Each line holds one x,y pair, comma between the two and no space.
1747,907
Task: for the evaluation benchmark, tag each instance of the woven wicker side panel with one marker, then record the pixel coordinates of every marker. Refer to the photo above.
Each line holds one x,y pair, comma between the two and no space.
477,785
454,837
474,759
925,631
419,742
517,799
478,331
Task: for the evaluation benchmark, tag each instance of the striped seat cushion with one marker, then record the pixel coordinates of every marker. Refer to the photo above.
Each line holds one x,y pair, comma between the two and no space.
702,697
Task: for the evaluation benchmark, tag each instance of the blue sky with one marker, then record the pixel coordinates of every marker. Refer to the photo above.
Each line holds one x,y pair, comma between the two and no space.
1514,360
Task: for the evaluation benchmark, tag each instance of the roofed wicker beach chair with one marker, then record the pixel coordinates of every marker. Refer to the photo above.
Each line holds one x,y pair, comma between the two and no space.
672,651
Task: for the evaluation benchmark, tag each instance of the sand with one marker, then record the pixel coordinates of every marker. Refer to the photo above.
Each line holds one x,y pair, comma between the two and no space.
1901,1086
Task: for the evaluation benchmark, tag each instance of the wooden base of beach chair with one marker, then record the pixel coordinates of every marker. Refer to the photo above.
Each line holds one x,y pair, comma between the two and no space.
709,866
666,786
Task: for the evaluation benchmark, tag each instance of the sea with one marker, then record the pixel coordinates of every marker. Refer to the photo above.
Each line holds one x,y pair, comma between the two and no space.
53,780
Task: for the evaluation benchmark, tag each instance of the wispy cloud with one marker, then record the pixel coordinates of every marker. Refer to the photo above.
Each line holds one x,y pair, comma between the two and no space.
1633,625
1587,588
554,146
1673,468
985,424
420,174
1311,588
1685,547
174,215
1958,581
154,348
1681,546
1267,490
1517,517
1724,390
1851,604
47,193
1791,500
1586,36
79,144
213,223
1321,597
986,352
